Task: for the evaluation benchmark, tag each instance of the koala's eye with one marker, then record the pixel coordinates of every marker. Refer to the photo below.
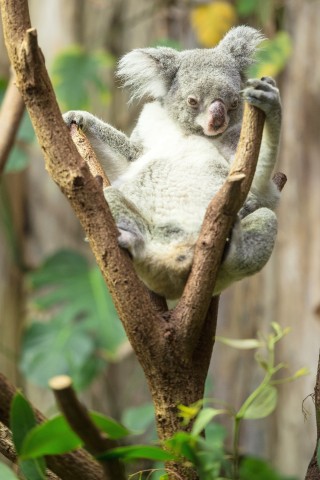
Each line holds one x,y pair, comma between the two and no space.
192,101
234,103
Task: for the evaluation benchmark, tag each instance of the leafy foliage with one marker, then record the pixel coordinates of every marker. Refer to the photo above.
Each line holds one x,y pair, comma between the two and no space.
272,57
55,436
22,420
252,468
83,330
77,74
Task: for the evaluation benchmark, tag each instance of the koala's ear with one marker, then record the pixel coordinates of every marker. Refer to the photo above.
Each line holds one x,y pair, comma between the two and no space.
149,71
241,43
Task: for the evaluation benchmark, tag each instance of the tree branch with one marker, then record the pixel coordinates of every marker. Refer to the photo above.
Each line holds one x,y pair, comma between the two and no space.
220,215
81,423
78,464
313,472
11,113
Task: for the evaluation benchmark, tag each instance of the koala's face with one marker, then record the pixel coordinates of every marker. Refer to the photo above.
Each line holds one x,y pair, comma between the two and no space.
204,97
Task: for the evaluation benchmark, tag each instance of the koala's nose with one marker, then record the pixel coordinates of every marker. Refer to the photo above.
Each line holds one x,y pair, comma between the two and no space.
217,112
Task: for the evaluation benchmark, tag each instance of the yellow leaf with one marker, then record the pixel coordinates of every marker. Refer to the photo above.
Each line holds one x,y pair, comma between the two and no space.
212,21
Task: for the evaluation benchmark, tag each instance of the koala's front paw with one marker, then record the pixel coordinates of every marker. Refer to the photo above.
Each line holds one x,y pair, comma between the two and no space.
263,94
80,118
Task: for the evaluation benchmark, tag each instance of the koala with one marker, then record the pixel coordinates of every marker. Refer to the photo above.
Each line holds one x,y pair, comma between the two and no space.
164,176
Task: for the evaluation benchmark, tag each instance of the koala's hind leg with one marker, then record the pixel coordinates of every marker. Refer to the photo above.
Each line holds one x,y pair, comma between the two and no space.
251,245
131,225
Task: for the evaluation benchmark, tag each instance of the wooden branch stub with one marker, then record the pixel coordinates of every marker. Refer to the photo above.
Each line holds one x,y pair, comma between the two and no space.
79,420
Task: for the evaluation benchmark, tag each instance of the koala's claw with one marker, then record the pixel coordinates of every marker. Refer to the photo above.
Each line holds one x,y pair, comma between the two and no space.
263,94
74,117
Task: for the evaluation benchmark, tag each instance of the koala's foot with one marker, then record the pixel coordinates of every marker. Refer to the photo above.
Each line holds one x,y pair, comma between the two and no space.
263,94
251,245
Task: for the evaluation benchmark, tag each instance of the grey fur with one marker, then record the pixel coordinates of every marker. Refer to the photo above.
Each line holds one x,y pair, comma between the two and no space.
164,176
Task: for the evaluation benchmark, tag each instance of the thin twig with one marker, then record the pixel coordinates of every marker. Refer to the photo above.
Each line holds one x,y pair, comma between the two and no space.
79,420
11,112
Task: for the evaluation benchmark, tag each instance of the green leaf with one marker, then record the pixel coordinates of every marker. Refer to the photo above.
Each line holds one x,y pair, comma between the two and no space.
263,404
138,419
204,417
76,74
22,420
136,452
272,57
6,473
53,437
246,7
245,344
109,426
318,454
252,468
81,334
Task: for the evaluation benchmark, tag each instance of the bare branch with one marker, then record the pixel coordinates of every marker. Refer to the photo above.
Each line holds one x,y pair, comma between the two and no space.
11,112
313,472
80,421
73,465
220,215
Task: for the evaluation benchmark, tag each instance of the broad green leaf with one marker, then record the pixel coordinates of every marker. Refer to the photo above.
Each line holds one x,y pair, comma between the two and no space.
263,404
204,417
76,74
212,21
22,420
6,473
138,419
55,436
272,57
52,437
136,452
83,329
109,426
246,344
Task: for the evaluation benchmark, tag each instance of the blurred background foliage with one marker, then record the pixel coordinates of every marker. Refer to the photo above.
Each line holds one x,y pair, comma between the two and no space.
52,293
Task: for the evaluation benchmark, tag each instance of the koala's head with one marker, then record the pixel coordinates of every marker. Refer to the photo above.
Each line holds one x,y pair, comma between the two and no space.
199,88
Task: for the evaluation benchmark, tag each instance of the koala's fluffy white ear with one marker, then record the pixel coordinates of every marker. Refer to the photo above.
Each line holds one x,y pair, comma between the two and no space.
241,43
148,71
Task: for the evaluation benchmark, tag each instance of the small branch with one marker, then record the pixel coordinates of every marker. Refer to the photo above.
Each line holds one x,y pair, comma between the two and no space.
313,472
11,113
193,306
78,464
80,421
86,151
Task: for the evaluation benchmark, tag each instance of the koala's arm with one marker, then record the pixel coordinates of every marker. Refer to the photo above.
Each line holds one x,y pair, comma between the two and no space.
114,149
264,94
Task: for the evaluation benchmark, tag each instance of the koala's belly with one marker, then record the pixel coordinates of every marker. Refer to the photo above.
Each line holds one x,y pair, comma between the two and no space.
173,191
